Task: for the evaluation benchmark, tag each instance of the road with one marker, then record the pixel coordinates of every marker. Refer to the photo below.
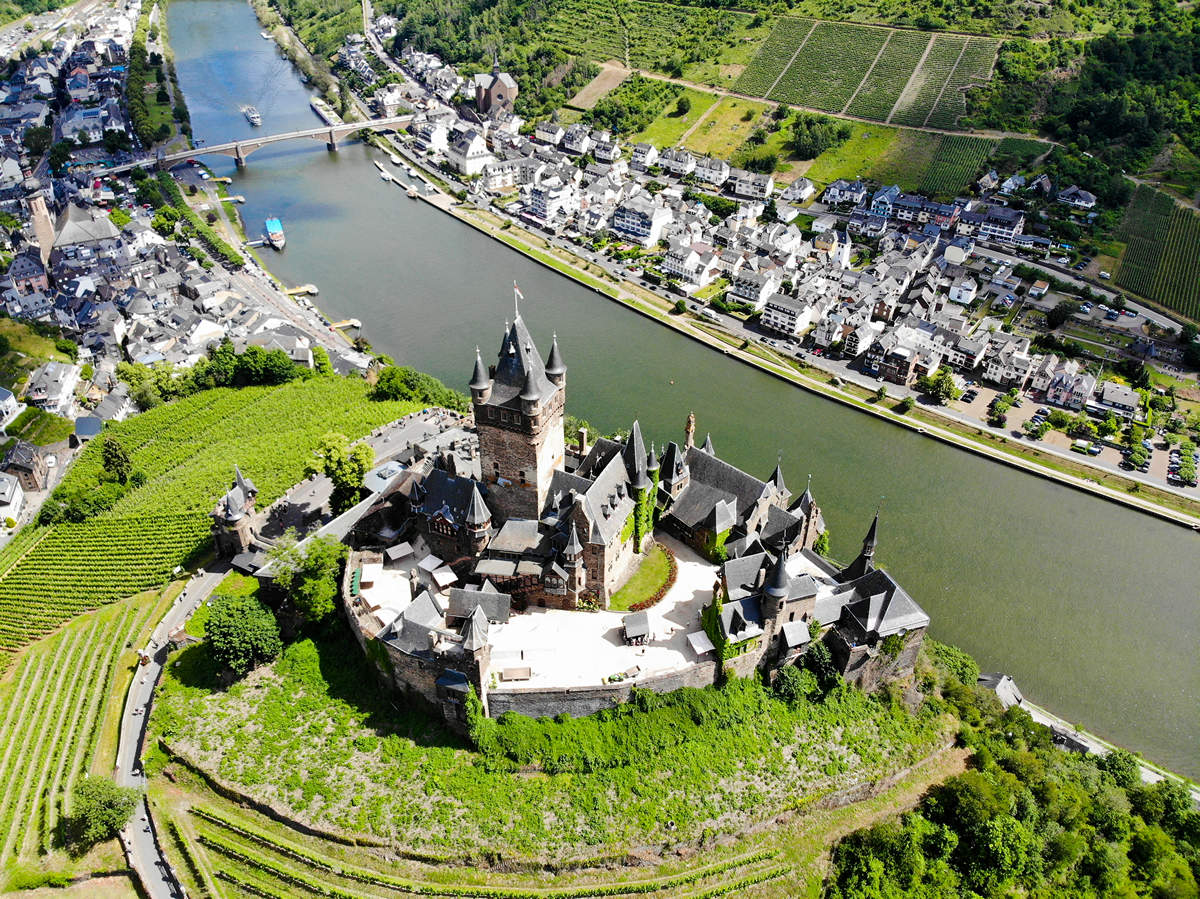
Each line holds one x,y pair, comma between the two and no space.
139,838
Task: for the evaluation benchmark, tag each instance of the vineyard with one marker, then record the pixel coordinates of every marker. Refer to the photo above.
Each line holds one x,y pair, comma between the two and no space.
957,161
216,846
883,85
907,77
1162,252
75,567
641,34
186,451
52,711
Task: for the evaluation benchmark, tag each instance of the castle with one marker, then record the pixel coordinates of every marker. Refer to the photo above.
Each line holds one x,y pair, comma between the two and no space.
459,563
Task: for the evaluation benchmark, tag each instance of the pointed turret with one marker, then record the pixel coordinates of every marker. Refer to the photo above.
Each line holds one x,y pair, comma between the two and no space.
777,478
865,562
778,582
573,549
475,631
529,392
872,538
247,486
478,514
651,459
556,369
708,447
635,458
479,378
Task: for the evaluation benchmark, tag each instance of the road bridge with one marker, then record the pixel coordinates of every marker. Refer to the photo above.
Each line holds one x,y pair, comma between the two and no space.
330,133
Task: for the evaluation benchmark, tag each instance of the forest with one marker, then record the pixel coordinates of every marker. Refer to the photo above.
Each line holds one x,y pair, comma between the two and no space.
1026,818
1116,97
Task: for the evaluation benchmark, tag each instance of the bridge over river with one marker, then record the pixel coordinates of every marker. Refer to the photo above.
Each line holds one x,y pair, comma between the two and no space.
331,133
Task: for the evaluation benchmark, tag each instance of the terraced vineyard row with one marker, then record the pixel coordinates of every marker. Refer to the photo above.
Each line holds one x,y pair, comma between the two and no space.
640,34
907,77
76,567
1162,252
975,67
1144,228
50,716
883,85
955,164
261,861
774,56
925,87
833,62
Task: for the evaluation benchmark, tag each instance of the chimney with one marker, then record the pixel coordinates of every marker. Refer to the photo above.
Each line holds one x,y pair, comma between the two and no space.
583,443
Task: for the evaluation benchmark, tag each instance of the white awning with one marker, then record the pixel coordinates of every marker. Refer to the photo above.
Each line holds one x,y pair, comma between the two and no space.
700,643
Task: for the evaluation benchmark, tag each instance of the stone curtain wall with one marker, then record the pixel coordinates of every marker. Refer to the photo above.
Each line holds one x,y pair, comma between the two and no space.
580,701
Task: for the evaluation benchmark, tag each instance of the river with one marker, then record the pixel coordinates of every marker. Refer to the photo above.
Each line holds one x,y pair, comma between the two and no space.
1090,606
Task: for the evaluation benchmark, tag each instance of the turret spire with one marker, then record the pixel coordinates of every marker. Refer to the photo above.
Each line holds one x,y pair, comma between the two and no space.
479,378
778,583
555,367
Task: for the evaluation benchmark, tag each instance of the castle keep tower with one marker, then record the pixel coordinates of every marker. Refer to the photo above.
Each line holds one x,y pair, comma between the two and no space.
518,405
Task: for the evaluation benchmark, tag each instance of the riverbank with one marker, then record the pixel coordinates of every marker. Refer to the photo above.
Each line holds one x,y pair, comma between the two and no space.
923,420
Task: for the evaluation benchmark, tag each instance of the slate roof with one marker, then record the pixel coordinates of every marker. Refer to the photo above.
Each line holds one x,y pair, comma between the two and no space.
882,606
519,362
463,603
447,495
475,631
741,619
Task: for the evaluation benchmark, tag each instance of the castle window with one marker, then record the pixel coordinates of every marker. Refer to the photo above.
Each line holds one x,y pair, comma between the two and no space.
516,418
491,414
792,616
503,415
522,477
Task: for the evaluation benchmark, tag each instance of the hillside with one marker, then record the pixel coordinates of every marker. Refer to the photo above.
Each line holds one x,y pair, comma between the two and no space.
110,540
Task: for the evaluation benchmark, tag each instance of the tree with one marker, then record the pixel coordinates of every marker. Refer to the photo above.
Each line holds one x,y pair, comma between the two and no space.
321,364
812,134
905,405
116,459
309,576
683,106
680,307
403,383
99,809
60,153
939,386
116,141
37,139
346,466
1058,316
242,633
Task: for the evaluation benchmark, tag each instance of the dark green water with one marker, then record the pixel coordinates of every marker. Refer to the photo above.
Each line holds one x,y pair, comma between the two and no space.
1092,607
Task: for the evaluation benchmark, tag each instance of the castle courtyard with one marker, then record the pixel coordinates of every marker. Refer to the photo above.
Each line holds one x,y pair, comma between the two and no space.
578,649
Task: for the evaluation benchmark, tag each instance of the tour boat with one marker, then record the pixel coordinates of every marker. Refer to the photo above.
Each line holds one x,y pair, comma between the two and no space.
265,36
396,159
252,115
275,235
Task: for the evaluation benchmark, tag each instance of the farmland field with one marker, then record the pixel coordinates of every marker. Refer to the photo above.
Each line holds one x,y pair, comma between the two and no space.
52,713
726,128
975,67
1162,254
186,451
670,126
909,77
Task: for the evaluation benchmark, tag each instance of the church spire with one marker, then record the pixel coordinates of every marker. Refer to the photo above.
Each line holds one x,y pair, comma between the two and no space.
777,475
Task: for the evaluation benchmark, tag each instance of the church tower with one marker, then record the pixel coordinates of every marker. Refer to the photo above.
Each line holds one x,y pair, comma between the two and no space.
518,405
39,214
